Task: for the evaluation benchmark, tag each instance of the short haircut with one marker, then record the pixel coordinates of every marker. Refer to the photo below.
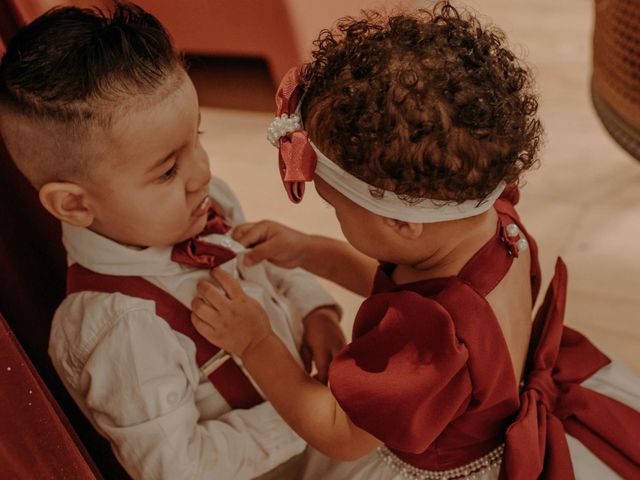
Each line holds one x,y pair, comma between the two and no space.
72,66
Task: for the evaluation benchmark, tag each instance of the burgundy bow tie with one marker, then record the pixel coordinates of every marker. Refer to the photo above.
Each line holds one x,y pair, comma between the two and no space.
201,254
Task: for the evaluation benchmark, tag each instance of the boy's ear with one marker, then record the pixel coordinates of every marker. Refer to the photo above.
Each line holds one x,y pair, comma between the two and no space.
67,202
407,230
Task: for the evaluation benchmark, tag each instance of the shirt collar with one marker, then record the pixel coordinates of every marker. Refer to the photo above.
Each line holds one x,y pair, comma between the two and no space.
102,255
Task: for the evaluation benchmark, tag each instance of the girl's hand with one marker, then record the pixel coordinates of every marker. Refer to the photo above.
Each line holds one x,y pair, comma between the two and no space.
272,241
229,319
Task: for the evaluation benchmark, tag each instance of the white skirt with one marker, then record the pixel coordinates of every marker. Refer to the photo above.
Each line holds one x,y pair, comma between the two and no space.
615,380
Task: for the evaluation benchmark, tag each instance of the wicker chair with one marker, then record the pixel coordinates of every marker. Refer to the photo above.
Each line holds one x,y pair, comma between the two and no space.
615,85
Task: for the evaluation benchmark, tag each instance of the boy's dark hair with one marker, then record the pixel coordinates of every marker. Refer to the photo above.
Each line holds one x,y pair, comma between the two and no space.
428,105
70,59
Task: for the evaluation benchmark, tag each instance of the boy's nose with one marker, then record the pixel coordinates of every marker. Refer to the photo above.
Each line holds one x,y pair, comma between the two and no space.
200,174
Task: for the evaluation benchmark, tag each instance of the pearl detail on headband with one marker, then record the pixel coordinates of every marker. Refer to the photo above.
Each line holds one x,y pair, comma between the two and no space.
281,126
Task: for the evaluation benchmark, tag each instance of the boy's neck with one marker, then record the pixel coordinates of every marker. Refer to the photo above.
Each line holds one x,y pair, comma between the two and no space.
448,248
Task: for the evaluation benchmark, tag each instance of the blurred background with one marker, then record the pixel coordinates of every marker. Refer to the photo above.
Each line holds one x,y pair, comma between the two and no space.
583,203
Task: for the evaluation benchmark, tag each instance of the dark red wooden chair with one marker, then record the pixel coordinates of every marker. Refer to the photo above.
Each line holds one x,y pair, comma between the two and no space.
32,284
36,439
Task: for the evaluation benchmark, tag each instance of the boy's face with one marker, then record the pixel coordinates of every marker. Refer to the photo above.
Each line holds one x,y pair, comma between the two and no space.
151,185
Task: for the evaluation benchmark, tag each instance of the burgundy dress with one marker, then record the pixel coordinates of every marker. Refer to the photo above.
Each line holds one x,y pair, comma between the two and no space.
429,373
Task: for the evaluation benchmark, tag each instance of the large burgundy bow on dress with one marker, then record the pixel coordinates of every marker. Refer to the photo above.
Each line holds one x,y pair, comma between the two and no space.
200,254
296,158
553,401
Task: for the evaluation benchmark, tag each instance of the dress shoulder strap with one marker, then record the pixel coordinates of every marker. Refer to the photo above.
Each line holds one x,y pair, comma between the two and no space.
490,264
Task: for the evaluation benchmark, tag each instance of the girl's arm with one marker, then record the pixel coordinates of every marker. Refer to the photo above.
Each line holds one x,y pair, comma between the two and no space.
326,257
237,324
340,263
304,403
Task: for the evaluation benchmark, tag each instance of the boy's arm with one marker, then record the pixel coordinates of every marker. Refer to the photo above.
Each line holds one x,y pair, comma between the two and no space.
138,387
318,319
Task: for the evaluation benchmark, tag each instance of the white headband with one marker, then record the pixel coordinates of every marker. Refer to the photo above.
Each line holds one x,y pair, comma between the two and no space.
389,205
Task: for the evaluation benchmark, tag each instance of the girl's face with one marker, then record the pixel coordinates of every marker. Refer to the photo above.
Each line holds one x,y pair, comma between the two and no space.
152,188
366,231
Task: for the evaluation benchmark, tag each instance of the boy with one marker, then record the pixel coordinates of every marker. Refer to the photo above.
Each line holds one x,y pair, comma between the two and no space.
98,113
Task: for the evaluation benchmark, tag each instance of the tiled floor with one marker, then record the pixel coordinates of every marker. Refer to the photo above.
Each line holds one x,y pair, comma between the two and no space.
583,203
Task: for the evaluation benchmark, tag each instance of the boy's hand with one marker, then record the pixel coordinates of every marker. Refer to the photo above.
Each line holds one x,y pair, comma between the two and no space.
229,319
271,241
322,340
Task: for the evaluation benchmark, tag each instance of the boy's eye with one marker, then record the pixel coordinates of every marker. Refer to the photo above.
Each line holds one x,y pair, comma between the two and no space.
200,132
169,174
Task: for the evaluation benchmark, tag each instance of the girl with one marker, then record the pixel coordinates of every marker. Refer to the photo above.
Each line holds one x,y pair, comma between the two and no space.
417,129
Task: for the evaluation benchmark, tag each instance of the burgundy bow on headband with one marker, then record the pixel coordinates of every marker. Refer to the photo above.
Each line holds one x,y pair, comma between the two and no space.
296,158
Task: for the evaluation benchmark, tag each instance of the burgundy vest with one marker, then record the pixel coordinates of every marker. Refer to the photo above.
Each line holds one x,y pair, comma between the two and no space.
223,372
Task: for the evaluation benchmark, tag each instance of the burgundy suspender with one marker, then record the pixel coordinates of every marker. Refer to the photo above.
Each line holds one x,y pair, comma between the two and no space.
228,377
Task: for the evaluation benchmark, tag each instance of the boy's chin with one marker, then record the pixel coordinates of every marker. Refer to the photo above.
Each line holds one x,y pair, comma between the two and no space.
194,230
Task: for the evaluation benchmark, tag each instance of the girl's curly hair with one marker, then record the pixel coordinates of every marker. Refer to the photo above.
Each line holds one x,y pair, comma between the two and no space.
427,105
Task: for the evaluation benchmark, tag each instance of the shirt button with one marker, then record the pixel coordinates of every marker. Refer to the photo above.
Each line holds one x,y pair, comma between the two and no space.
172,398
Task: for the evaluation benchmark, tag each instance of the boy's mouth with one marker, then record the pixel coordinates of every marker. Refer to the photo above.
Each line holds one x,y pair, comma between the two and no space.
202,208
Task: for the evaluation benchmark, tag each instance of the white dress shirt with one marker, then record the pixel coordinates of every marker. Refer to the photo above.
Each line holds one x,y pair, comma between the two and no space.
137,380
